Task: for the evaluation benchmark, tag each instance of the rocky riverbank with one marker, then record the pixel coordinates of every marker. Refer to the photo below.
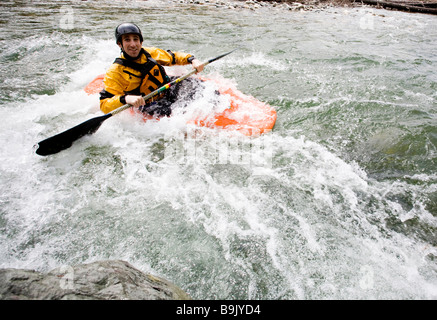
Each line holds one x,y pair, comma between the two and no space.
101,280
422,6
291,5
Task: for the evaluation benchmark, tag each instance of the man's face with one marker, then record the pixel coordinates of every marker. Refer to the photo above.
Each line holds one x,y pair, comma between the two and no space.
131,44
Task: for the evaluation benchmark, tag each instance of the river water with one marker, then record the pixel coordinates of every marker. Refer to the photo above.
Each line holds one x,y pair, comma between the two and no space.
339,201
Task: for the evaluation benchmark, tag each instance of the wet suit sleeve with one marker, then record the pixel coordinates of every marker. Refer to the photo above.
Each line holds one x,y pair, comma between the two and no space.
169,58
112,96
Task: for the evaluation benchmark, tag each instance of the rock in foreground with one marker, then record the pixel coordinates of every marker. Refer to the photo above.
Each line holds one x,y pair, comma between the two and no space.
101,280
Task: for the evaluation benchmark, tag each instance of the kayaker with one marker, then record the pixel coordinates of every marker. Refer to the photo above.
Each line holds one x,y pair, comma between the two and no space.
138,71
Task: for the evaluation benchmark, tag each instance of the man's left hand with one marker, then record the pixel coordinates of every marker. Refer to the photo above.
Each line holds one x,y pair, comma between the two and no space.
197,65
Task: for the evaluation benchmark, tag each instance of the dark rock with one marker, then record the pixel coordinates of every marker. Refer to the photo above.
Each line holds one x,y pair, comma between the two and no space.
101,280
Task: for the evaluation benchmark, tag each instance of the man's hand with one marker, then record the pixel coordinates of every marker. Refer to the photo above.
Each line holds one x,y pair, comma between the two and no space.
136,101
197,65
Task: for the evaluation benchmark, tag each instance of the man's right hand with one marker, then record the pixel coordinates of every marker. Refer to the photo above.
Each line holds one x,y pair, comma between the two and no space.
135,101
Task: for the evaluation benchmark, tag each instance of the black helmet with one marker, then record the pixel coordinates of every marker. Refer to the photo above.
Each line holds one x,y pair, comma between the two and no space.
126,28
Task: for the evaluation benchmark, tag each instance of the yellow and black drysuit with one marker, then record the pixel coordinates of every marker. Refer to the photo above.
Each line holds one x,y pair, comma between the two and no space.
138,77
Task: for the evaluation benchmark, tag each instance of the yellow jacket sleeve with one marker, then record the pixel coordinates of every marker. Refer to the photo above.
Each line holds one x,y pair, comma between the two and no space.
115,86
168,58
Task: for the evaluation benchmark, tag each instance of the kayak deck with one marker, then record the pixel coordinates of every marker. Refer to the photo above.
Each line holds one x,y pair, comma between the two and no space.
245,114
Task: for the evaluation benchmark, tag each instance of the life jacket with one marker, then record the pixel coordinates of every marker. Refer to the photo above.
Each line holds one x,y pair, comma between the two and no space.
154,72
151,72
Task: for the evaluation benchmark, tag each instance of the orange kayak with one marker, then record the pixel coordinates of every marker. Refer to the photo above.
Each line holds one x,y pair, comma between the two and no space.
245,114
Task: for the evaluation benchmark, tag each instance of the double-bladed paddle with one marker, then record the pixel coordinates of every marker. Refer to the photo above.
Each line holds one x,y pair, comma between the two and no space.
65,139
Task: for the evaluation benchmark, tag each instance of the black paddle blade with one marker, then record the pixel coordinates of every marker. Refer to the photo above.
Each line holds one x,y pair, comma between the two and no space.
223,55
65,139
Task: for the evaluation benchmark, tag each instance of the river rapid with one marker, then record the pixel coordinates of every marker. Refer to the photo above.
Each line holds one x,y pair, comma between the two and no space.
339,201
